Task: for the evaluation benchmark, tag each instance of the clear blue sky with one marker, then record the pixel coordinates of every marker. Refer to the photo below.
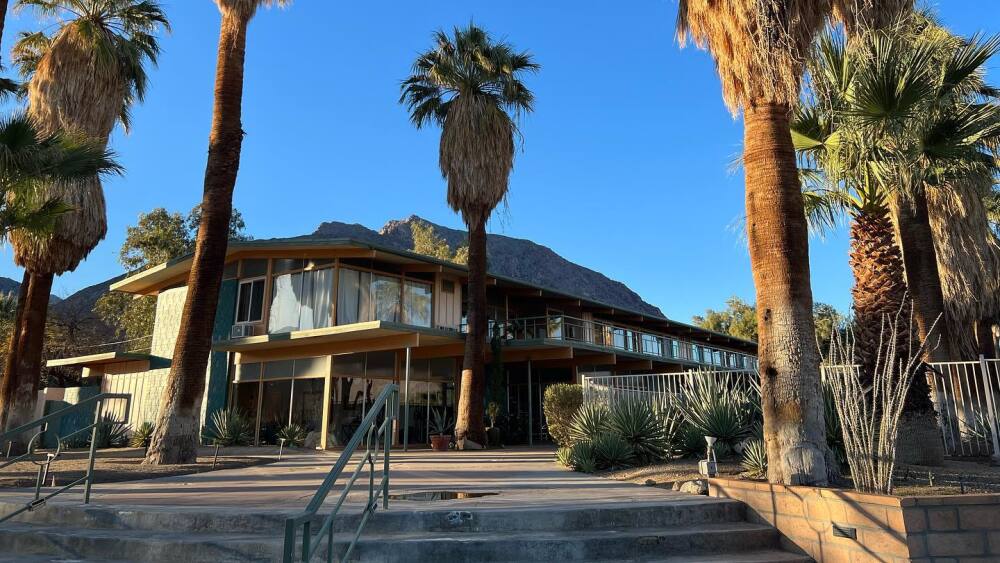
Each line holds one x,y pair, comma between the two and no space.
625,165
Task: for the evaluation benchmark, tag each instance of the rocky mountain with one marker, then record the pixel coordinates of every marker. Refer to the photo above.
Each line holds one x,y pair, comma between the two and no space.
516,258
8,285
512,257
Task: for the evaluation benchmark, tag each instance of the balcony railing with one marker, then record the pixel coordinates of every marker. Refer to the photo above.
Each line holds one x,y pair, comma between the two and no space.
614,337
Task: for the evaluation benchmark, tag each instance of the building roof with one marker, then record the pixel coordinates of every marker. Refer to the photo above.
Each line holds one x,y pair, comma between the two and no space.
172,273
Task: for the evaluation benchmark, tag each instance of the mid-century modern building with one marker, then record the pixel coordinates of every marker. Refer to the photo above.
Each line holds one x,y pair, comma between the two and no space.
308,331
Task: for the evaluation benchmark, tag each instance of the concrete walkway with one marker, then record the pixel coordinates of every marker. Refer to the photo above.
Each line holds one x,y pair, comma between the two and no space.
522,477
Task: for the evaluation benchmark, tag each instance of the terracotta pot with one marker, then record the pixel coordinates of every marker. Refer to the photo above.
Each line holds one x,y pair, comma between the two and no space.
439,442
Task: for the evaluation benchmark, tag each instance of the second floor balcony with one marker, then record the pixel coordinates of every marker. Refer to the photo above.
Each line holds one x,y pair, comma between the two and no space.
594,332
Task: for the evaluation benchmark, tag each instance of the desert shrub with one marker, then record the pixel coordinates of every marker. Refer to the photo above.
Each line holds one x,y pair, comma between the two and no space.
229,427
560,404
612,451
588,422
142,435
637,424
754,459
564,456
690,441
714,408
582,457
111,433
834,430
294,435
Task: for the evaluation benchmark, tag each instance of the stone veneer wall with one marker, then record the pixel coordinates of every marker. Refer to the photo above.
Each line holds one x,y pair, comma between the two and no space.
938,529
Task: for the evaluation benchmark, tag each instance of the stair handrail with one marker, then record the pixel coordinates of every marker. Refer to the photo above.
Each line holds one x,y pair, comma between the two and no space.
387,402
43,467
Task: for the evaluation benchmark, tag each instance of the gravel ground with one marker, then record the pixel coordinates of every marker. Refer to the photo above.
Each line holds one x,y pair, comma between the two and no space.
973,476
115,465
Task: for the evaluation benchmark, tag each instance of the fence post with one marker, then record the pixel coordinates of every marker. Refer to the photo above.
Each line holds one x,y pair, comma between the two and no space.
988,391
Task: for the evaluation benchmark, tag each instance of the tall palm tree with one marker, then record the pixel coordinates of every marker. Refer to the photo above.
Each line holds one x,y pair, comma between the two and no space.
830,140
82,78
760,48
177,426
28,161
470,86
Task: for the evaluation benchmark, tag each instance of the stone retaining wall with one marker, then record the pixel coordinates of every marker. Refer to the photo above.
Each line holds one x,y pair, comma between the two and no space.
936,529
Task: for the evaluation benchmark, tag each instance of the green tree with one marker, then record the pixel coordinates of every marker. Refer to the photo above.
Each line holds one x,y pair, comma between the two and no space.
738,319
429,243
84,73
158,236
470,86
177,425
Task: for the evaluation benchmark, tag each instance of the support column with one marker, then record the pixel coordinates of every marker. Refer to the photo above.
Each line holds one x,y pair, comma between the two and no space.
406,401
531,422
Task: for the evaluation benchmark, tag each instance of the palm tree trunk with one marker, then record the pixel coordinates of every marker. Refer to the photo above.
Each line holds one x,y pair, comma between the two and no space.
470,423
28,353
176,437
879,295
7,384
779,252
916,241
3,16
984,339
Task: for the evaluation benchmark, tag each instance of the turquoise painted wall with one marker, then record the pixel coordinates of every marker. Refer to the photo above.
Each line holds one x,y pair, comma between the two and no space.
218,362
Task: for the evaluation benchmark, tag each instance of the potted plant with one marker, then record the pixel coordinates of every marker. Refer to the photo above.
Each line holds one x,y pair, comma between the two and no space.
440,430
493,432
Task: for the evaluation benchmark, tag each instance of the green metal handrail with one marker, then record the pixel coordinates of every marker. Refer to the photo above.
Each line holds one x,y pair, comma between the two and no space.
43,467
387,402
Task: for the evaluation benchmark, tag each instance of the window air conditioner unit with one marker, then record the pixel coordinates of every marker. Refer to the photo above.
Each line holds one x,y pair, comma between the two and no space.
241,331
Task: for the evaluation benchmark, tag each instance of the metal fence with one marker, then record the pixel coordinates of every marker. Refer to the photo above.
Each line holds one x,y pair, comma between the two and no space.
964,393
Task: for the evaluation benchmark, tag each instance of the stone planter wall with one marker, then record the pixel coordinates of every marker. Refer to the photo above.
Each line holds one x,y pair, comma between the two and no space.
935,529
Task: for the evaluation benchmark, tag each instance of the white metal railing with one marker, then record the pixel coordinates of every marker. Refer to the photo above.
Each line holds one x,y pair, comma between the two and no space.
965,396
658,388
616,337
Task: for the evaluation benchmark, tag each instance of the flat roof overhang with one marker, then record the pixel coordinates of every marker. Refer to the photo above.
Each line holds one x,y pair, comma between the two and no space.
357,337
93,360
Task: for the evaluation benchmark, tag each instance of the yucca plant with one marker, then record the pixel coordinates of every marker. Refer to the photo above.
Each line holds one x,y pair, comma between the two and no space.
755,458
588,422
637,424
111,432
714,408
229,427
294,435
690,441
141,435
582,457
612,451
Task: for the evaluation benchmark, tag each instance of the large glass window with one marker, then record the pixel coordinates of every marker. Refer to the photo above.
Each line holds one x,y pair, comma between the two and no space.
274,408
385,292
417,303
353,297
250,301
301,301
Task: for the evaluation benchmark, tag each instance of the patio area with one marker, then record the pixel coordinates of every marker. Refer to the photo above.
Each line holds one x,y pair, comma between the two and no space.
521,477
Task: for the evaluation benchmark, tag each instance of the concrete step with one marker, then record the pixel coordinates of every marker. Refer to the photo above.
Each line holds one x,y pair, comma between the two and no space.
759,556
736,538
693,510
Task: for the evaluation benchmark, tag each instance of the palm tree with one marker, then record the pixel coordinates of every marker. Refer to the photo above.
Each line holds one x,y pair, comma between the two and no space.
177,427
471,87
760,48
82,78
830,141
28,162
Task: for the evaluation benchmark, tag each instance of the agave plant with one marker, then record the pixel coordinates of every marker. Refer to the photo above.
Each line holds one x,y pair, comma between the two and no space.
690,441
441,424
293,434
612,451
637,423
589,422
755,458
111,432
716,409
582,457
141,435
230,427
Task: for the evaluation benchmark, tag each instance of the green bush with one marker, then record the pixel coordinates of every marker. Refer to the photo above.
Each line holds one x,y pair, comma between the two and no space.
612,451
142,435
714,408
588,422
690,441
229,427
755,458
294,435
582,457
560,404
637,423
111,433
